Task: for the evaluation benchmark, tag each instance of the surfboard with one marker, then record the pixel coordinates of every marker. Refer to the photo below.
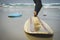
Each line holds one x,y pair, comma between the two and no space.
34,23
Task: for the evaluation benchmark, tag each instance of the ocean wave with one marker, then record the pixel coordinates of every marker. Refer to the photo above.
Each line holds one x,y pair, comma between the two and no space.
31,4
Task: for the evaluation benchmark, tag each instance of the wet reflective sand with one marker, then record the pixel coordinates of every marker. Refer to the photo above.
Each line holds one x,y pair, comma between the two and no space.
13,28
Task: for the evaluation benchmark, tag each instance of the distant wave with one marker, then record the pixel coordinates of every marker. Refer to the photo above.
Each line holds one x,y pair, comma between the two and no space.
52,4
29,4
19,4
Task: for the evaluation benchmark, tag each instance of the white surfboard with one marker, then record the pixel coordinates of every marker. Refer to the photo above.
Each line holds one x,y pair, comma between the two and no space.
43,29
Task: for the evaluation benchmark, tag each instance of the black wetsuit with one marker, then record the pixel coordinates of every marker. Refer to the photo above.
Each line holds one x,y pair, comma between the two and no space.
38,5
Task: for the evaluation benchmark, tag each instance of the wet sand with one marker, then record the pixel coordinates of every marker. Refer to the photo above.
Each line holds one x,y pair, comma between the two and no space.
13,28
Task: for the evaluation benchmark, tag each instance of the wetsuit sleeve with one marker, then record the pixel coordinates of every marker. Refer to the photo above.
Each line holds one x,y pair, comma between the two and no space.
38,5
